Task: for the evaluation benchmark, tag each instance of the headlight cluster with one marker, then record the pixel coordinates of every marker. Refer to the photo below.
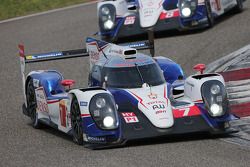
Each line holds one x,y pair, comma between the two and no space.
103,110
215,97
107,14
187,7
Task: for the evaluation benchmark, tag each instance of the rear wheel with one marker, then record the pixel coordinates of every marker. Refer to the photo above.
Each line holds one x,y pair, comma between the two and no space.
32,105
210,17
76,122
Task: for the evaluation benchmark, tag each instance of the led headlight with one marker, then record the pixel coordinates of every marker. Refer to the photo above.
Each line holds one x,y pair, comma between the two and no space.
103,111
186,12
215,89
107,14
100,102
216,110
187,7
105,11
215,98
108,121
108,24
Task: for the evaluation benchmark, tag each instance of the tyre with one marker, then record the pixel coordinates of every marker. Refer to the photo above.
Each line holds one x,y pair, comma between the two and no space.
32,105
76,122
210,17
239,6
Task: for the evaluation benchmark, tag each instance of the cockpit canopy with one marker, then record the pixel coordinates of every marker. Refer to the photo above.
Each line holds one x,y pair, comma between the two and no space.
127,77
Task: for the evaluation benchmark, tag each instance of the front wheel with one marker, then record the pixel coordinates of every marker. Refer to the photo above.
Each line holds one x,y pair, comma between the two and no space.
32,105
76,122
210,17
239,6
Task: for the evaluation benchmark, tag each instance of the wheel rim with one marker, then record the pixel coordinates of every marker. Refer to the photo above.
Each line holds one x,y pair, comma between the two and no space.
76,121
31,102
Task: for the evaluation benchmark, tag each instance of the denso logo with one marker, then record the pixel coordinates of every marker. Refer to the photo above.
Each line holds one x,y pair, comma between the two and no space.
160,111
158,107
94,55
116,51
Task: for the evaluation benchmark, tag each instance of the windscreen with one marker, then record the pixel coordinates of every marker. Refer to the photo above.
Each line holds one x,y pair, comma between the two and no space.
134,77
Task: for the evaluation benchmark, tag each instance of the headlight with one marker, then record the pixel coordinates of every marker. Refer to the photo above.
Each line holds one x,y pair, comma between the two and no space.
105,11
215,97
215,89
186,12
107,14
187,7
103,111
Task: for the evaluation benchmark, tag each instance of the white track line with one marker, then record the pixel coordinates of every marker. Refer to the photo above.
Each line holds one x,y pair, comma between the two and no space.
48,12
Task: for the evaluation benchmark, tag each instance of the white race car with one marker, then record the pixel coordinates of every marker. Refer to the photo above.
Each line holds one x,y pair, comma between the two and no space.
130,96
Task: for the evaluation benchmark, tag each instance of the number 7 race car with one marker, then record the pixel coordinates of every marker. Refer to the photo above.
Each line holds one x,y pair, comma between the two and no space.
130,96
122,18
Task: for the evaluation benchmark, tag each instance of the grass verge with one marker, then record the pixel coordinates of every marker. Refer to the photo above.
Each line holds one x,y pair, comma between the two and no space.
14,8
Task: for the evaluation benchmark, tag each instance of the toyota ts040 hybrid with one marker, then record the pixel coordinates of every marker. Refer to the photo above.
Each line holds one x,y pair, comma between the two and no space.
130,96
122,18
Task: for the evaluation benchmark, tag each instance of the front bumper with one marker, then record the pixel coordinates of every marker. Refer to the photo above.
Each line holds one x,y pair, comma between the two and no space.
198,20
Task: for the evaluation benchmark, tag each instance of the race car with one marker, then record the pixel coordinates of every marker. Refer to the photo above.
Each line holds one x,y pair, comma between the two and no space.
123,18
130,96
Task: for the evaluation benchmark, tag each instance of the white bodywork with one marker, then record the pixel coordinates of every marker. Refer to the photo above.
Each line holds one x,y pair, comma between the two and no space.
58,111
154,104
192,86
149,12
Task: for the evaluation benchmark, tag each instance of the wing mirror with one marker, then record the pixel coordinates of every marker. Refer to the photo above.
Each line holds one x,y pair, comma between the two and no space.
200,68
104,85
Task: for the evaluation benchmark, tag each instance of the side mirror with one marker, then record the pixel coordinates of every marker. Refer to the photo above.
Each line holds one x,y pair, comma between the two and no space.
200,68
104,85
68,82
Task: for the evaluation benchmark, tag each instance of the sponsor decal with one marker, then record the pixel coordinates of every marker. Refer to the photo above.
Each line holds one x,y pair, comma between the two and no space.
96,139
36,83
129,20
158,106
134,45
116,51
130,117
63,111
94,56
83,103
152,96
188,111
42,105
155,102
47,55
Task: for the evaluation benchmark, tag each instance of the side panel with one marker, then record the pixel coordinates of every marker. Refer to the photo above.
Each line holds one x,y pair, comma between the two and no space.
91,133
192,86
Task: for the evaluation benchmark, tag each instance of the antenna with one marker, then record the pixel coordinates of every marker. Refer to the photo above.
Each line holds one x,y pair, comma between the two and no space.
151,41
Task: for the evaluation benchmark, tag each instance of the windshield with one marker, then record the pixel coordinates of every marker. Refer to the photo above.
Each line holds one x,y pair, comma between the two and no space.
133,77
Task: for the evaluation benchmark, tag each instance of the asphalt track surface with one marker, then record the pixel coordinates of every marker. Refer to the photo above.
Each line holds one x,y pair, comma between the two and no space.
21,145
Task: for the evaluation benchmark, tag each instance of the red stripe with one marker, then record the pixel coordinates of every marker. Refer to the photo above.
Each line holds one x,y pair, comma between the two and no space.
85,115
140,100
241,110
198,101
165,95
53,101
236,75
193,111
21,50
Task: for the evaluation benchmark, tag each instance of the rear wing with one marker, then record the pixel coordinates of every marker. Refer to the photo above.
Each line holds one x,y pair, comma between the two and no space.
32,58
